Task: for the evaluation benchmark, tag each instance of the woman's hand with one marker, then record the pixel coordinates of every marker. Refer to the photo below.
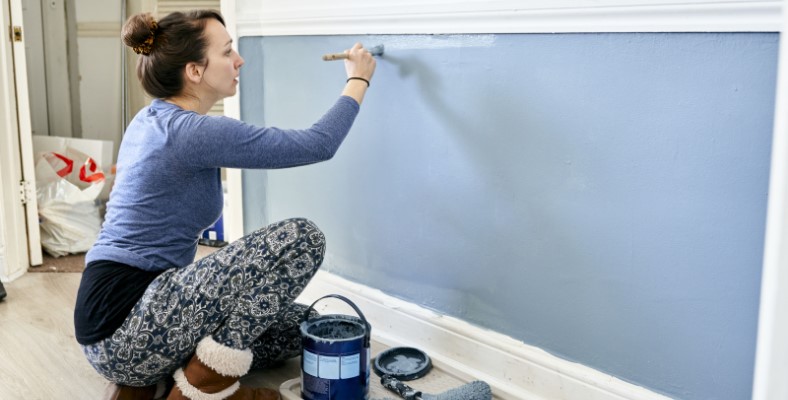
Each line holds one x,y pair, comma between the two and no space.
359,64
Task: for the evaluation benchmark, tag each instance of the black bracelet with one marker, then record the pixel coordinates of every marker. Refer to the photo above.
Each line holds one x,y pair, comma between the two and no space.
359,78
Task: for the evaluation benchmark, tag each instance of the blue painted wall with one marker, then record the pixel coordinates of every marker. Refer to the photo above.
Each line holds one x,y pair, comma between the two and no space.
601,196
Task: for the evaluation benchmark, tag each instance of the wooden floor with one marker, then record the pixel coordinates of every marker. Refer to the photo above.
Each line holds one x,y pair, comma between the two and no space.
41,360
39,357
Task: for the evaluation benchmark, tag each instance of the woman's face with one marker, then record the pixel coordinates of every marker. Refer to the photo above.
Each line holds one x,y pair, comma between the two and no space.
221,72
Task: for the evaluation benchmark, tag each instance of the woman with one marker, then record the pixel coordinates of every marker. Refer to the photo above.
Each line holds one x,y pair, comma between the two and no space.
145,311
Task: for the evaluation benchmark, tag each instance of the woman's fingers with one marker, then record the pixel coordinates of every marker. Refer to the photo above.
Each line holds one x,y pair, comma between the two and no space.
360,62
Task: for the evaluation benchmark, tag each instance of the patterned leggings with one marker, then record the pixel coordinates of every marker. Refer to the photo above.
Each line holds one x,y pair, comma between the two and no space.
242,295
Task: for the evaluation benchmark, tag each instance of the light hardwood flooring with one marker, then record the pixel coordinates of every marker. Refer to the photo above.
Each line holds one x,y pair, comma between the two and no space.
41,360
39,357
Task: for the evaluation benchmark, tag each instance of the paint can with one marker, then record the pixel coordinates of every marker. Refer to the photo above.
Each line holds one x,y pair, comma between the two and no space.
335,355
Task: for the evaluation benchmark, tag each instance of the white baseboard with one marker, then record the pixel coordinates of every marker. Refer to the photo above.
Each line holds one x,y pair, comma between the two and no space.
11,277
513,369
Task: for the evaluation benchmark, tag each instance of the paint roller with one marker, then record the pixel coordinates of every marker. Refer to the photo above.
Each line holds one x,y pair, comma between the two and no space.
375,51
476,390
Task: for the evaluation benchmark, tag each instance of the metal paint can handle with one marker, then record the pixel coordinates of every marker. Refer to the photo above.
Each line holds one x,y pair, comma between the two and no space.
351,304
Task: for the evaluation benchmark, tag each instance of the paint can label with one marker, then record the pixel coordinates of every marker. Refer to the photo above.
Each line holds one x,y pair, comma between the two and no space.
335,377
328,367
350,366
310,363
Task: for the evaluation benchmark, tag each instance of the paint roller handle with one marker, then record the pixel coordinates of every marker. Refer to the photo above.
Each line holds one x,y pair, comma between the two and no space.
395,385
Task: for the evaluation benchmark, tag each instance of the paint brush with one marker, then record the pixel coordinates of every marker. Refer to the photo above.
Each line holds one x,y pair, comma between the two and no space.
476,390
375,51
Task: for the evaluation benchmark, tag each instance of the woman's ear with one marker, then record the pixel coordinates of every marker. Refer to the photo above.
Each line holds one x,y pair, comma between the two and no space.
194,72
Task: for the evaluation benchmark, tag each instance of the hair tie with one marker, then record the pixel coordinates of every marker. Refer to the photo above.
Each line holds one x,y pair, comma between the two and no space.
146,46
358,78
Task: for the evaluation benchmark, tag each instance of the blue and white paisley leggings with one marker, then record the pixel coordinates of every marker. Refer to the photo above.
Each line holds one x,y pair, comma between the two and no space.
242,295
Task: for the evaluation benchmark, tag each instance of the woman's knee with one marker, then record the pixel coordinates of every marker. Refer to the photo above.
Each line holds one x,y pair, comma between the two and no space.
304,224
294,231
314,234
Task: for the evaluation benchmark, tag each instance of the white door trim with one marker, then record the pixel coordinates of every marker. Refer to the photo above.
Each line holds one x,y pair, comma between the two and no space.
233,212
771,365
26,141
13,243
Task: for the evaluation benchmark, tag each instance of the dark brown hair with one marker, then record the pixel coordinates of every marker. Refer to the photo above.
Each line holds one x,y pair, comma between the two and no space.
166,46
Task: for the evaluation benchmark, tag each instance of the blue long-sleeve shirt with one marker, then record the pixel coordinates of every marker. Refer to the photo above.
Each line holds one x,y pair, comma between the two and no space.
168,190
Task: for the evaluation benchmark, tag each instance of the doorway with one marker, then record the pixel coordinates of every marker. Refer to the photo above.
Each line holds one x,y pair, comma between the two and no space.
94,96
51,50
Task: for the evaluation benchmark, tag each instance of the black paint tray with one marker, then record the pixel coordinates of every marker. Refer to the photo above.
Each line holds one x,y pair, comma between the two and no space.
403,363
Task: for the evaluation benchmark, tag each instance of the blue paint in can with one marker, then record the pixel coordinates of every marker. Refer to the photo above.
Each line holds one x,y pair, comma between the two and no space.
335,355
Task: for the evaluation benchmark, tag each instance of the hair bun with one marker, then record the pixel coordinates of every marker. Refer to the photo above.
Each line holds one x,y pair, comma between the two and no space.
139,33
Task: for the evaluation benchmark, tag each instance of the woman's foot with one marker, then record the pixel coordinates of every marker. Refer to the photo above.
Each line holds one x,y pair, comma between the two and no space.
213,373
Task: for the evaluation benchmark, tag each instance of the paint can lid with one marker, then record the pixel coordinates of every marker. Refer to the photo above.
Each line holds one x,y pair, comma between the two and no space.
403,363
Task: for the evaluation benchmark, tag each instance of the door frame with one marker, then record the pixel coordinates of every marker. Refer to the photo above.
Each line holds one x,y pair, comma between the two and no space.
233,214
20,242
26,151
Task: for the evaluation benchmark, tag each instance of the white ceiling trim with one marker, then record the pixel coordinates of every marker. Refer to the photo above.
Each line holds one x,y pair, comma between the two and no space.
272,18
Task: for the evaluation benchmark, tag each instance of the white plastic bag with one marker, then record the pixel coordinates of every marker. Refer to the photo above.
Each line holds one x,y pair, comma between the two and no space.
67,186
